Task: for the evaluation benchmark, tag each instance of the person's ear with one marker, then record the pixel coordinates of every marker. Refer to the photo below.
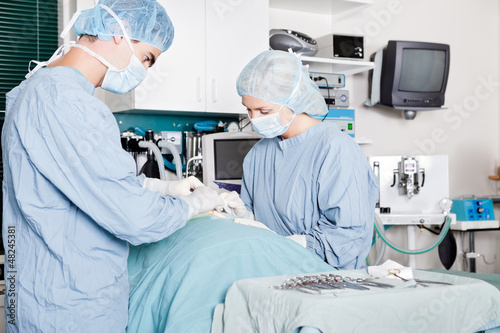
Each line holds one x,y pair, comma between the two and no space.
118,39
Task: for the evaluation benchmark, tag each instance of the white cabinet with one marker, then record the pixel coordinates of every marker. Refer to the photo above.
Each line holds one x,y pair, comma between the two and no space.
237,30
214,40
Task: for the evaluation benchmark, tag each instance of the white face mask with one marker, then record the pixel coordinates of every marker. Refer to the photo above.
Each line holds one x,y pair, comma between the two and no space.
270,126
123,81
120,81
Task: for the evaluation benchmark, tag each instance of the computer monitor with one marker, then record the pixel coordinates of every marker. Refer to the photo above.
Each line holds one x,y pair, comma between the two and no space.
223,155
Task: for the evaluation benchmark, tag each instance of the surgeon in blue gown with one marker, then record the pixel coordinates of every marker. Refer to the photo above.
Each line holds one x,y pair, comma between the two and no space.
305,179
72,199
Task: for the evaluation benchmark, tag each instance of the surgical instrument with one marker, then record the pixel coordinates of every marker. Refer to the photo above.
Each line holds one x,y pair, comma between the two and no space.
395,273
433,282
346,282
369,283
328,283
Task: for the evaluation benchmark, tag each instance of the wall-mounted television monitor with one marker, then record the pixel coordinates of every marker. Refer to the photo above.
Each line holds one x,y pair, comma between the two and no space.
223,155
414,74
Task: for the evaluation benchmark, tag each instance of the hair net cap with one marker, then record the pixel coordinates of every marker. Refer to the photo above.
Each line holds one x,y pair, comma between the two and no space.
145,21
280,78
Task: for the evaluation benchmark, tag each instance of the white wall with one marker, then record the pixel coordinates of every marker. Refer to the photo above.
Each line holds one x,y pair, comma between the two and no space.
311,24
468,132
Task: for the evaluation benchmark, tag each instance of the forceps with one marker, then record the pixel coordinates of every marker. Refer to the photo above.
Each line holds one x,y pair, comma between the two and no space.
369,283
345,282
433,282
395,272
323,282
307,284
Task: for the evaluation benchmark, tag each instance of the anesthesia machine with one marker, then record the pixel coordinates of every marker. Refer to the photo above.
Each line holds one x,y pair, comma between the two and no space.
414,191
212,155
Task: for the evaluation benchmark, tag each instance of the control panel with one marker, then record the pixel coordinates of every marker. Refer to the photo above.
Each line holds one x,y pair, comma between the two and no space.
328,80
473,209
337,98
343,118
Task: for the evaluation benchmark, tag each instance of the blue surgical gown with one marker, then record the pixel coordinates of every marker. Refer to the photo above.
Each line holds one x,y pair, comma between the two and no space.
72,205
318,184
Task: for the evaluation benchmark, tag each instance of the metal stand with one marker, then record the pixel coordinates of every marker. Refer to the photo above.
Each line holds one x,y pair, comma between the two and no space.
411,236
472,261
471,226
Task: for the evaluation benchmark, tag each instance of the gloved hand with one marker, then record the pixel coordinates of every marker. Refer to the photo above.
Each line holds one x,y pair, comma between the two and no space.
202,200
301,239
234,205
251,223
172,188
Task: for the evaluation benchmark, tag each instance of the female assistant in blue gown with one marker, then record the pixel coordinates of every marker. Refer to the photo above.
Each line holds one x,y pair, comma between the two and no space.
305,179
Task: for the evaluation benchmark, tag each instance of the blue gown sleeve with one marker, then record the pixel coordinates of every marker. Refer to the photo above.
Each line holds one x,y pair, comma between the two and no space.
347,190
73,141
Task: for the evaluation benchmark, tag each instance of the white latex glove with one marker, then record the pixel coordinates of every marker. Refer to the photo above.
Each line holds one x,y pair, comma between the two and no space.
234,205
172,188
251,223
202,200
301,239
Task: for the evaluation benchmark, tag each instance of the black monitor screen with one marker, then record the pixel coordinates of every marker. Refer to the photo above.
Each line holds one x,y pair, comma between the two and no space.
229,155
422,70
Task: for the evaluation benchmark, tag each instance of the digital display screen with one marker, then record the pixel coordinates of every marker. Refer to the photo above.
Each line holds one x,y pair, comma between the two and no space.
422,70
349,126
348,46
229,155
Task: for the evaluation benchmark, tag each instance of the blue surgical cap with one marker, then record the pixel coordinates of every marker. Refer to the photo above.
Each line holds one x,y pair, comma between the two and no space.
145,21
280,78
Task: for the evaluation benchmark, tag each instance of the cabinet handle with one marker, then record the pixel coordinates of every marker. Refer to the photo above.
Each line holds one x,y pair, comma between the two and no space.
214,91
198,89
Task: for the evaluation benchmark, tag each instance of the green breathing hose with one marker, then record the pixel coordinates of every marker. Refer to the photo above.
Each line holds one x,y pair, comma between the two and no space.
381,232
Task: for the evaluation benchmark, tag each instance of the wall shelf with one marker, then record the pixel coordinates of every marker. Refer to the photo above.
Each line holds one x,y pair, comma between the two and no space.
336,8
347,67
363,141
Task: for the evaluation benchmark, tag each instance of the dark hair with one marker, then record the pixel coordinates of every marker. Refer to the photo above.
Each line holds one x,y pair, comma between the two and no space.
90,38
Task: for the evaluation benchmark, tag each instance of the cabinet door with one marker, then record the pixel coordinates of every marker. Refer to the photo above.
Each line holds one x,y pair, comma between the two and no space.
177,80
237,30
